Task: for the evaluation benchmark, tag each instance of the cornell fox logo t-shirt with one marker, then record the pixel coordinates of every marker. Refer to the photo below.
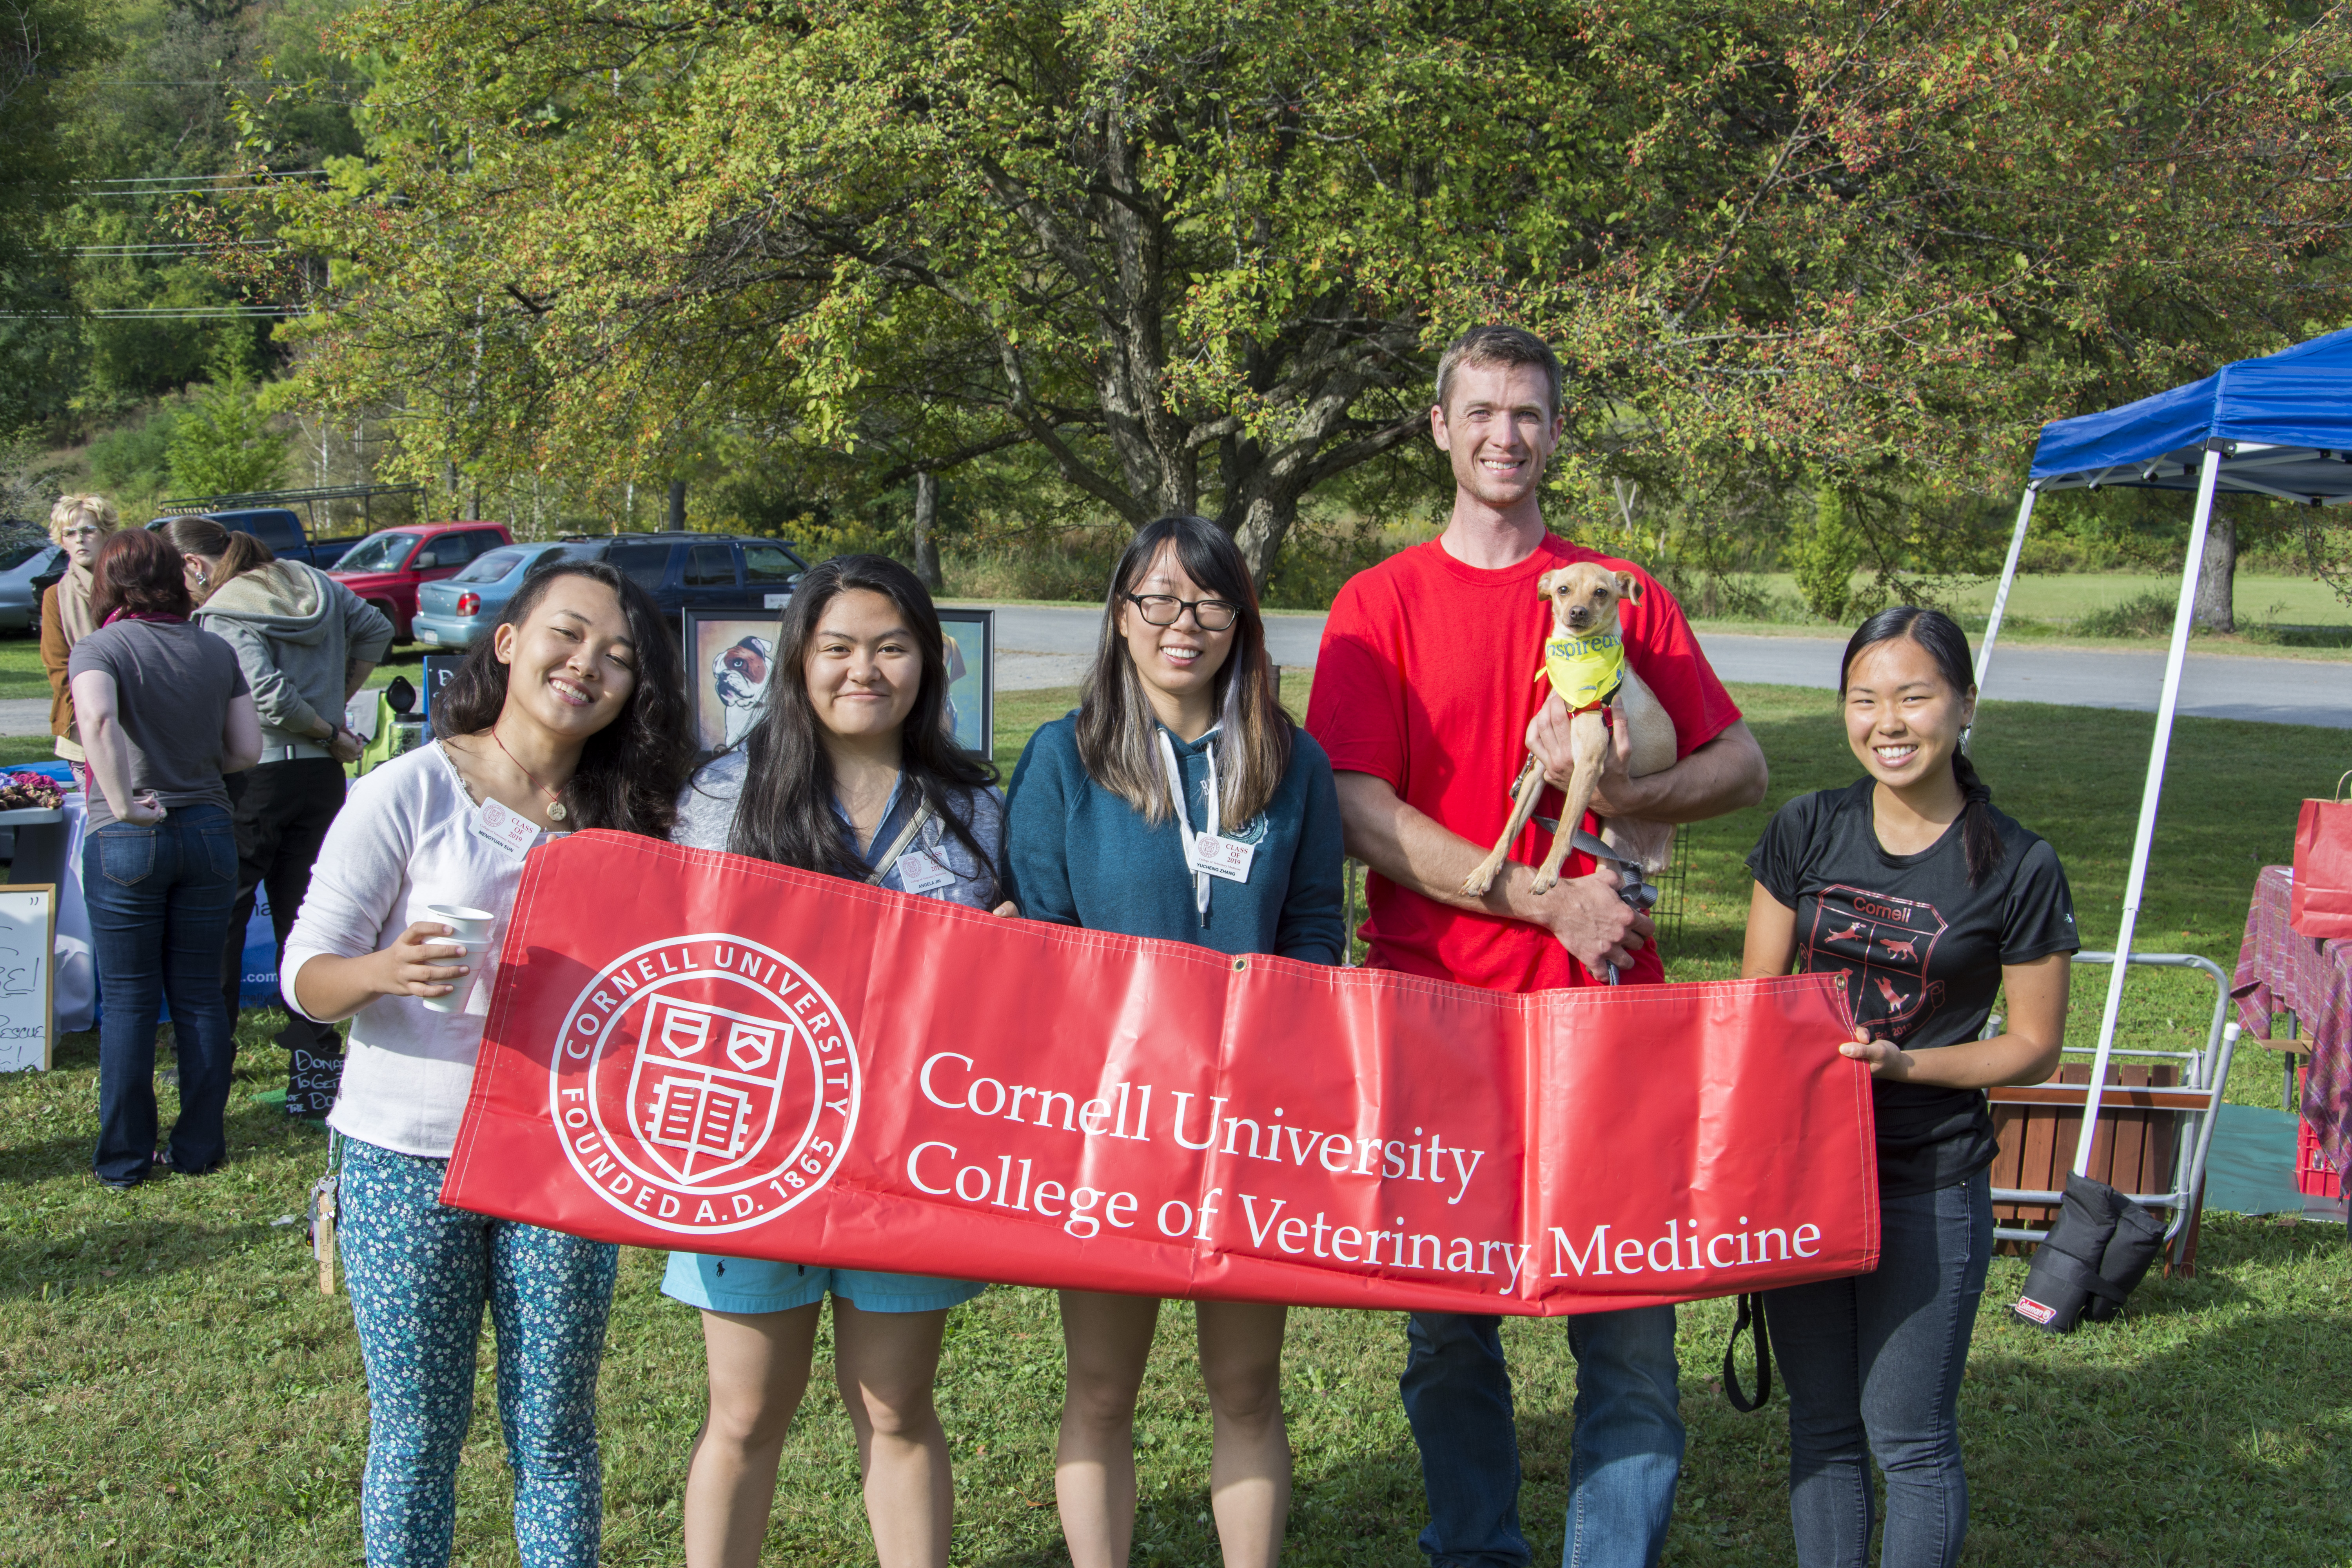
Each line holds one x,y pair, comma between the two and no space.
1921,951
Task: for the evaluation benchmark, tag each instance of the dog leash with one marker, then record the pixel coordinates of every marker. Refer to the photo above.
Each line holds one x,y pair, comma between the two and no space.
1632,890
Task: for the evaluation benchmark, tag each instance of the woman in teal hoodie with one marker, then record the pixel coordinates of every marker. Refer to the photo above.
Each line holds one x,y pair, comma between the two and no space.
1177,802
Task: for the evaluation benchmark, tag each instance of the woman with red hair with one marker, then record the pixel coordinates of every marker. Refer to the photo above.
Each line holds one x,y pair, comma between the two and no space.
163,711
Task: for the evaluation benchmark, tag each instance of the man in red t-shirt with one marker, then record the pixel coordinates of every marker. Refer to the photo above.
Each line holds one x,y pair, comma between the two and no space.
1424,694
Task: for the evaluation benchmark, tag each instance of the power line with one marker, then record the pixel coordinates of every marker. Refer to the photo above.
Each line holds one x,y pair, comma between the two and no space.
168,314
175,245
173,249
200,179
168,192
246,81
195,311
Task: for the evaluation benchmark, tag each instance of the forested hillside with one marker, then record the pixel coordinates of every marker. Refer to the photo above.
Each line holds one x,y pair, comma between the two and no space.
998,281
138,274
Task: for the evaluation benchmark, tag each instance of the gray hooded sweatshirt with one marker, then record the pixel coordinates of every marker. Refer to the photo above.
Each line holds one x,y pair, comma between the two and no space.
294,630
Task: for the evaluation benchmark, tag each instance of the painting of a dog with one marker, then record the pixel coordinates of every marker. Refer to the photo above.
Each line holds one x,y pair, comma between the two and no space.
740,674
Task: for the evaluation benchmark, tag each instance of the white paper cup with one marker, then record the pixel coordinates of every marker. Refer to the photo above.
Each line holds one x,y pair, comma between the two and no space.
460,986
468,947
455,1001
468,925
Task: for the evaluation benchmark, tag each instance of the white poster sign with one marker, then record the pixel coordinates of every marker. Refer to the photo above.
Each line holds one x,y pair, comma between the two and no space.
28,931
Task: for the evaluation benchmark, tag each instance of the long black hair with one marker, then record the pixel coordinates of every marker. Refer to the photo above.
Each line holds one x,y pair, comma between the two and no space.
1116,728
630,770
1949,646
785,814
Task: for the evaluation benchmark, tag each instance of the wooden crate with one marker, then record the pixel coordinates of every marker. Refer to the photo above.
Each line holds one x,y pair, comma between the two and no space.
2132,1150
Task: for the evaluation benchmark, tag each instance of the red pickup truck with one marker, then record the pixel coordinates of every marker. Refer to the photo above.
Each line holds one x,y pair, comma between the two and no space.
385,568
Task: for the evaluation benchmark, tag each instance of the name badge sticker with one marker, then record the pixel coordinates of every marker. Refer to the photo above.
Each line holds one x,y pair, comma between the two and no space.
1227,857
919,873
509,832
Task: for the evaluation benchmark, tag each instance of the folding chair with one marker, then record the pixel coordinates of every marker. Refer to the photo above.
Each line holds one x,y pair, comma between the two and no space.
2150,1139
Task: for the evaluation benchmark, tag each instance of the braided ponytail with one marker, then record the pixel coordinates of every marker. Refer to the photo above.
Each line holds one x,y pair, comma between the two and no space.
1978,836
1949,646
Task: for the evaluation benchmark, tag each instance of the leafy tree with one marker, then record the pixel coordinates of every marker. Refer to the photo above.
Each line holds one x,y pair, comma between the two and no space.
1197,255
41,43
125,137
222,443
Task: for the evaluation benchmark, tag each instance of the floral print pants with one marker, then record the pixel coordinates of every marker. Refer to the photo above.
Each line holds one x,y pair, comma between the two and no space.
419,1276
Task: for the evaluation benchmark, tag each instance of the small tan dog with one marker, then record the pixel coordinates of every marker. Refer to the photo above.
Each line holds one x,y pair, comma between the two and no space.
1584,661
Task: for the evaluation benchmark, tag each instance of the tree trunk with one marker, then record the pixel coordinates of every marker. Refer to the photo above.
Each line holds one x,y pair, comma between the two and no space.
2217,582
1259,527
678,506
926,544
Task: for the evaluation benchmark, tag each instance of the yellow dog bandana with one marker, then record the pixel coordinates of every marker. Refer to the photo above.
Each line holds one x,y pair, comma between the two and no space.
1585,672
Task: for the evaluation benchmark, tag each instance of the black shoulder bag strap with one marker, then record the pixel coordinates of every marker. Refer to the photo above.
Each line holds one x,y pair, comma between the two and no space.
1751,1309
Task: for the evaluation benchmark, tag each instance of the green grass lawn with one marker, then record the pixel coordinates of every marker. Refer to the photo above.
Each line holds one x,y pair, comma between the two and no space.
178,1393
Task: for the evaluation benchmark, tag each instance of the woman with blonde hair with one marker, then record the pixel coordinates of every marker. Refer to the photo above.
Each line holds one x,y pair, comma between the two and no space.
79,524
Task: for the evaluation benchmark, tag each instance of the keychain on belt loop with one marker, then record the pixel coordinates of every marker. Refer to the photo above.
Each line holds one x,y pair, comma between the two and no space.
1184,822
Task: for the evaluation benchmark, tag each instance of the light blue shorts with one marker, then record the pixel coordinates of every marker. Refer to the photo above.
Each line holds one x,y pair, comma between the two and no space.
755,1285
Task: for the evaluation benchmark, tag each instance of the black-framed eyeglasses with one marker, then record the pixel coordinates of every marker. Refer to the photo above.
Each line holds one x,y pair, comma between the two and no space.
1167,609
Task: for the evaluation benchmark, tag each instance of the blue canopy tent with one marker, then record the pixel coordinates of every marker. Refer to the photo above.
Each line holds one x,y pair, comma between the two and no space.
2280,426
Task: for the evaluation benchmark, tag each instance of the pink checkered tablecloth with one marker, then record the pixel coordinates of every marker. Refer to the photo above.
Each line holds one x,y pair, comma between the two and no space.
2280,972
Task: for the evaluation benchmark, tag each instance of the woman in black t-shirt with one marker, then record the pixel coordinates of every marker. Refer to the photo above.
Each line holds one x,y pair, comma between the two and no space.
1931,903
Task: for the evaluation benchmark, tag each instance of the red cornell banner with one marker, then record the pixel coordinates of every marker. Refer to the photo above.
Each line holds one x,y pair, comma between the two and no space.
694,1050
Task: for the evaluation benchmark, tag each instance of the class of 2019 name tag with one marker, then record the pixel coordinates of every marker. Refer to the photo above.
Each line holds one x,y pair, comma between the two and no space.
1227,857
509,832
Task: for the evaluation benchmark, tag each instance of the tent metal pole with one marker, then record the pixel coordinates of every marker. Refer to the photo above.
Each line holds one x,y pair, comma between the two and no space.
2136,882
2000,597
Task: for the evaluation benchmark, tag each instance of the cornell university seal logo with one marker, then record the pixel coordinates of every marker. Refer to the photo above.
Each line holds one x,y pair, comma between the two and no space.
704,1084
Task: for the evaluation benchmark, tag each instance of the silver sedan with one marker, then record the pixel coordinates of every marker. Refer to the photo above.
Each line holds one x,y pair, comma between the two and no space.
28,564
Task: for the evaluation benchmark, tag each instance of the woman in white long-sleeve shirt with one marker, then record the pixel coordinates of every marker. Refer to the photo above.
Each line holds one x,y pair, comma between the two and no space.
572,714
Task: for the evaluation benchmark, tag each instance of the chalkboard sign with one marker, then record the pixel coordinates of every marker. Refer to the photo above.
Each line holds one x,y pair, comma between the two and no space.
28,935
312,1081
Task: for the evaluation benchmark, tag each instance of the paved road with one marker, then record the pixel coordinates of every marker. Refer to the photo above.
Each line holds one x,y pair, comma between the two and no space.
1049,646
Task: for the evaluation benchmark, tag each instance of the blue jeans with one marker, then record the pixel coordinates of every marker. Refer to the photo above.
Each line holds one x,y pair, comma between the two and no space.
420,1275
1625,1456
159,903
1875,1360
